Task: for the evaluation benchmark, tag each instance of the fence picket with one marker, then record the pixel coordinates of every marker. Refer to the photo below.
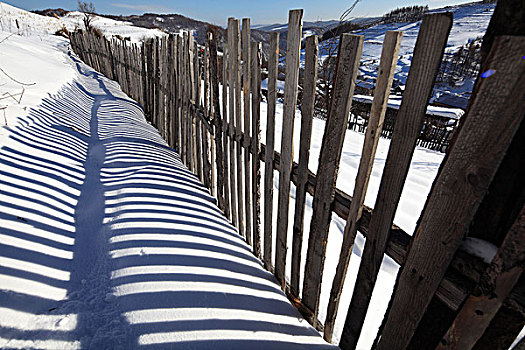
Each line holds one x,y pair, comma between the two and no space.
295,26
246,86
256,62
237,70
307,113
350,48
225,128
385,76
273,71
217,121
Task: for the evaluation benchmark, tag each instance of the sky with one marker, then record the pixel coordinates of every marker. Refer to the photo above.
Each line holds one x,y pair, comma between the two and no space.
217,11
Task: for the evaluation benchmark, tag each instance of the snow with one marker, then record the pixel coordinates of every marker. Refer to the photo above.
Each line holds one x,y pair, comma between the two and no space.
394,101
34,24
107,240
280,85
484,250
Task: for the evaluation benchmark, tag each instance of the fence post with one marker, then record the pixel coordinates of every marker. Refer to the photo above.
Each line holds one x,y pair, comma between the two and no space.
217,122
256,147
237,70
385,76
307,113
225,127
350,49
295,25
196,108
273,65
232,57
246,86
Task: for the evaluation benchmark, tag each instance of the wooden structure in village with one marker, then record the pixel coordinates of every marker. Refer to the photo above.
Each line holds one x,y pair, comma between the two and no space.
178,85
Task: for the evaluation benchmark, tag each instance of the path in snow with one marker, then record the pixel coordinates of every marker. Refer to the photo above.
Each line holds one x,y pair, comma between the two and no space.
107,241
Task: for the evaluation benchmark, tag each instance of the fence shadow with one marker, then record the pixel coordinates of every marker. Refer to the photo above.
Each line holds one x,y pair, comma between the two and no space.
107,241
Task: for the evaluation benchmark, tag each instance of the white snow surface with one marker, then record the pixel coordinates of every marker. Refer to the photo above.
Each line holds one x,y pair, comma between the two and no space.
33,24
395,102
484,250
106,239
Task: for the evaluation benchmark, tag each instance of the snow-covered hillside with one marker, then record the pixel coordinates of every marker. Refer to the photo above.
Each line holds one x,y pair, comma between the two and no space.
15,20
470,22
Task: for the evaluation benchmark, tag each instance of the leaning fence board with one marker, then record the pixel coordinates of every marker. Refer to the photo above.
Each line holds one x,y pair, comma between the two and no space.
238,125
197,123
492,121
385,76
217,120
178,117
307,113
225,130
207,166
246,86
273,64
350,49
295,26
232,57
256,62
428,52
494,287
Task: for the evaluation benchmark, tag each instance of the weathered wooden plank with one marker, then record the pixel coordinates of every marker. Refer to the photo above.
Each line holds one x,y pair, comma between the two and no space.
488,296
206,166
173,90
232,58
273,64
225,149
493,118
186,95
217,120
256,62
178,117
295,26
190,122
237,70
307,113
197,124
156,87
246,86
387,66
350,49
149,76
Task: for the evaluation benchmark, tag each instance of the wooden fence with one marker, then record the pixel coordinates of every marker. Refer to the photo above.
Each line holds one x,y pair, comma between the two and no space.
177,83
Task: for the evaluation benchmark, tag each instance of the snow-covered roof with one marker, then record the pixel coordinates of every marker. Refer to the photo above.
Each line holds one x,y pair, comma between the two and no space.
395,101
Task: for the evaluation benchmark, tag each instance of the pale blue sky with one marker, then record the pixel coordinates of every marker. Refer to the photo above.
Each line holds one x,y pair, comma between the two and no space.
217,11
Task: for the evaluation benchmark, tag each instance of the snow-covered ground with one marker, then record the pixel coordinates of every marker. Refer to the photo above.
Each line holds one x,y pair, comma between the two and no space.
33,24
107,241
470,22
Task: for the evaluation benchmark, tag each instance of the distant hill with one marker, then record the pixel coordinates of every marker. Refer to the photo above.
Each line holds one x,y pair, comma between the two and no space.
59,12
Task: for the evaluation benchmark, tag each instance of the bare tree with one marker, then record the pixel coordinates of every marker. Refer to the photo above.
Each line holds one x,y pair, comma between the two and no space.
328,49
88,9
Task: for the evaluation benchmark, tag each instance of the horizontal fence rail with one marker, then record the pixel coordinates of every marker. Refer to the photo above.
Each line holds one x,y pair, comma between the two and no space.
207,105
